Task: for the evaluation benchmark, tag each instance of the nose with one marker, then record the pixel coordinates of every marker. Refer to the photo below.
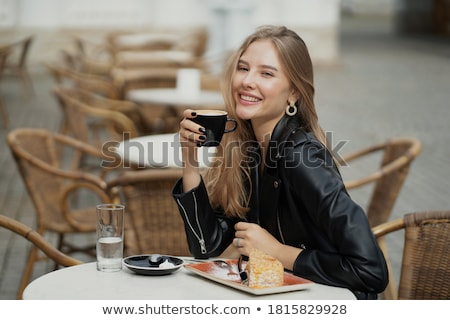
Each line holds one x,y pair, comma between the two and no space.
248,81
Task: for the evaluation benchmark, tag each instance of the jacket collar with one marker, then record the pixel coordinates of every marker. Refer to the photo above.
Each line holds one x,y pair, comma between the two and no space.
279,140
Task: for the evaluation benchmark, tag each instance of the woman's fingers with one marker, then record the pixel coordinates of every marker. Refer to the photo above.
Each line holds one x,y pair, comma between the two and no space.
189,130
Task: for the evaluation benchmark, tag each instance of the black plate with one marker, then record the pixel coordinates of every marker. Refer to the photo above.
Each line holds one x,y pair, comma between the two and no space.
141,265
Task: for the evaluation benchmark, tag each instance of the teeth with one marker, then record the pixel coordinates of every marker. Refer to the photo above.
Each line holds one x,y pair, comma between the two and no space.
248,98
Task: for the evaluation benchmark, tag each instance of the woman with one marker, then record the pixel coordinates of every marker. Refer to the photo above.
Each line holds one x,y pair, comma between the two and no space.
275,186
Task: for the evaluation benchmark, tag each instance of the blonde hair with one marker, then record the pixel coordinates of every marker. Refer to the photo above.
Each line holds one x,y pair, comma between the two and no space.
228,179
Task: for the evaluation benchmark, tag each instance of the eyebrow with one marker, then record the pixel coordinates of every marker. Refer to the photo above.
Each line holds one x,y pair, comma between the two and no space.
264,66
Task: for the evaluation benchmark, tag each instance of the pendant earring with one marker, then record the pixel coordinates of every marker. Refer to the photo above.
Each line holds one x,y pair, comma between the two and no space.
291,109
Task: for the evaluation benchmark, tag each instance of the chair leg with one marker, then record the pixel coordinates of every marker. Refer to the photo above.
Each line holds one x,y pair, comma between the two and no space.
59,245
390,293
4,115
32,257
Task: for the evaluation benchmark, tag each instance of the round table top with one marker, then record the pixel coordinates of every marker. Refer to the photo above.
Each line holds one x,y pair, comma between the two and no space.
175,98
84,282
159,151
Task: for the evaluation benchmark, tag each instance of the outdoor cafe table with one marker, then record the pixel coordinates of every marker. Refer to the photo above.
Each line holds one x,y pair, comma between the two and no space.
160,150
84,282
172,97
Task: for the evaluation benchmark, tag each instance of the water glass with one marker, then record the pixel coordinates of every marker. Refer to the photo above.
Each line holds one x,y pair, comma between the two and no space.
110,229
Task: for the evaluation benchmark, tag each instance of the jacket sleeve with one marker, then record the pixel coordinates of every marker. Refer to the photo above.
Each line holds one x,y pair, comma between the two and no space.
355,261
208,231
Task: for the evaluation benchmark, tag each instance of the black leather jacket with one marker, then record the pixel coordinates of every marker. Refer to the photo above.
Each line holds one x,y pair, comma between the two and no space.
300,199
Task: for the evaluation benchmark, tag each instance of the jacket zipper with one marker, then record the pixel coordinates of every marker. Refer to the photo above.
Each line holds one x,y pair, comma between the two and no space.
279,227
200,237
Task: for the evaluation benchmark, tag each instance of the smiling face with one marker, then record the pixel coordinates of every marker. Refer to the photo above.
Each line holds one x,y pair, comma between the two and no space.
260,87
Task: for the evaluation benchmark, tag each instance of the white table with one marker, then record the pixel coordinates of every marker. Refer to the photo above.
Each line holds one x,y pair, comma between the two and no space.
172,97
84,282
158,151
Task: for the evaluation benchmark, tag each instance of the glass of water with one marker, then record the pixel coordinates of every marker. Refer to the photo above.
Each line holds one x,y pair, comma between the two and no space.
110,229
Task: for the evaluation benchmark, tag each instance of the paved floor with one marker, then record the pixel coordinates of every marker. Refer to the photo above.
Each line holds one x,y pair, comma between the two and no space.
386,85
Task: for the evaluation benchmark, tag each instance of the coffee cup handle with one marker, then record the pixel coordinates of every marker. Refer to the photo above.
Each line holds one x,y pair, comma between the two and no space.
234,127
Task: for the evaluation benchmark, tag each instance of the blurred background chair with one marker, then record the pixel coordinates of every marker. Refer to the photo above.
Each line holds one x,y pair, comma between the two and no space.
387,179
128,108
16,64
425,269
38,241
93,123
4,52
64,199
95,83
154,224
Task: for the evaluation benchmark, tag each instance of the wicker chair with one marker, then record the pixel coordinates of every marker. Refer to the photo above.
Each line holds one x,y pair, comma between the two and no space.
101,85
425,269
92,123
4,52
117,116
59,257
154,224
64,199
387,180
16,64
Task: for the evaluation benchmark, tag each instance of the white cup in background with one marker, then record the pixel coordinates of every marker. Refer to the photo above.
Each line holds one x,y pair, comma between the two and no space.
110,229
188,81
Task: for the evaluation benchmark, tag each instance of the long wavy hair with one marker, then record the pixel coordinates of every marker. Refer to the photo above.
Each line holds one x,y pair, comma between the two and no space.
228,179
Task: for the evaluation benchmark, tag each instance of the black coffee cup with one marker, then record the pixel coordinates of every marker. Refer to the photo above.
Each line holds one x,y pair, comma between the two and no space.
214,122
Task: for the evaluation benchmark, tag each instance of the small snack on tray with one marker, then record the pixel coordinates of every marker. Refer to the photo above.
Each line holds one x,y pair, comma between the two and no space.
263,270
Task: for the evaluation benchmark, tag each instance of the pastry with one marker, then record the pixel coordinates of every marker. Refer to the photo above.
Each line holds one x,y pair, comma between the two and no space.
263,270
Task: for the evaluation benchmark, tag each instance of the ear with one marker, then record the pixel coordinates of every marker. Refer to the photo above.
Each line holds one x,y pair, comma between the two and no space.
294,95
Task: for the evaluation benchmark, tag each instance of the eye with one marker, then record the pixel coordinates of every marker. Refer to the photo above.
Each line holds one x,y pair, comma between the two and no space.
242,68
267,74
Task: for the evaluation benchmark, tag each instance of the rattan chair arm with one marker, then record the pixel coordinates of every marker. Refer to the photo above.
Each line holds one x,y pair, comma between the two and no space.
400,162
388,227
69,174
116,118
132,177
65,200
124,106
38,240
79,145
100,67
360,153
374,176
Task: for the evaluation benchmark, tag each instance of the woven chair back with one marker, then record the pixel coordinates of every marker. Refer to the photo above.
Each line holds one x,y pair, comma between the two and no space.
425,269
426,257
153,222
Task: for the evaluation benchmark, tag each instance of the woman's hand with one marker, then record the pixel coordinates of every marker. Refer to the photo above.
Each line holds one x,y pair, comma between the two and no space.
251,235
191,135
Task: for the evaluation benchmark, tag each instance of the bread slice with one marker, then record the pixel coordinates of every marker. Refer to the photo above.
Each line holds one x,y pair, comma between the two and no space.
263,270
